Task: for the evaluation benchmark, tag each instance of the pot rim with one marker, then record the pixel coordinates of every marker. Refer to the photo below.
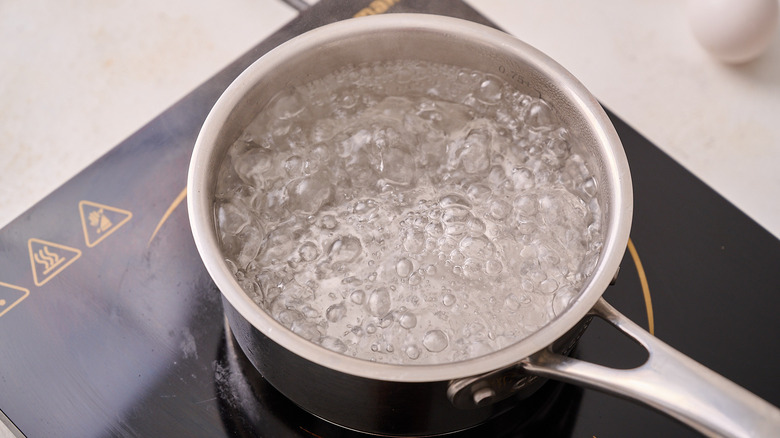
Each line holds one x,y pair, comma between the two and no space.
620,203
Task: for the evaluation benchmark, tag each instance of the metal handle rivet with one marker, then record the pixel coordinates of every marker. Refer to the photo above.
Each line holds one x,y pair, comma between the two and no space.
483,396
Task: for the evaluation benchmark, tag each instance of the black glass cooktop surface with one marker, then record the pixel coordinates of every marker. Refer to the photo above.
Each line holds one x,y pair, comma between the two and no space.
110,325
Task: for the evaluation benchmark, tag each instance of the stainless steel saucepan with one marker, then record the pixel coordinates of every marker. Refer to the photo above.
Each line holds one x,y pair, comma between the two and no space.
434,399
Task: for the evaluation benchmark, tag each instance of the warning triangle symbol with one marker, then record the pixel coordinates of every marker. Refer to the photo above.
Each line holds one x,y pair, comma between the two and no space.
49,259
10,296
98,221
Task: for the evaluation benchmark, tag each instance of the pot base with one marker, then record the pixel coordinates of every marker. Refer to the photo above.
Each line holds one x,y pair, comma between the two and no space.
264,411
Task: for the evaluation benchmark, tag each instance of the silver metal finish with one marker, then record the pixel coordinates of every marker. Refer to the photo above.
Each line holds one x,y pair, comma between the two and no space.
668,381
438,39
405,399
8,429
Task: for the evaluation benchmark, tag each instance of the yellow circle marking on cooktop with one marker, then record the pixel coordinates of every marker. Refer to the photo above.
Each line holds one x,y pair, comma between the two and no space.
645,288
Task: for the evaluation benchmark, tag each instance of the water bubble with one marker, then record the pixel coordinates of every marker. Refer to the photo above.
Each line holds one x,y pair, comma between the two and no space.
523,178
415,279
359,167
351,280
414,242
419,222
475,226
477,247
457,257
448,300
559,147
478,192
493,267
371,329
404,268
435,341
499,209
334,344
589,187
562,298
289,316
537,276
310,312
232,218
379,302
398,166
454,200
512,302
328,222
468,78
348,101
472,269
287,104
434,229
408,320
364,207
412,352
244,246
456,214
293,165
538,114
496,176
549,256
272,293
336,312
345,249
490,90
307,330
252,164
386,321
526,205
548,286
309,194
357,297
475,155
308,251
478,348
455,221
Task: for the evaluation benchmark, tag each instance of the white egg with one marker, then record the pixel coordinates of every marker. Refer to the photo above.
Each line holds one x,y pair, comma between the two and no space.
733,30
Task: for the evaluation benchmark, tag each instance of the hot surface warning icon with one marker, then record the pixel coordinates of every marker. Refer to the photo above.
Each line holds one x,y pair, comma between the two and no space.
99,221
10,296
49,259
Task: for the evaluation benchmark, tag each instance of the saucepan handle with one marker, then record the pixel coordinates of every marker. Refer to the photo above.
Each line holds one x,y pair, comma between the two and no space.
668,381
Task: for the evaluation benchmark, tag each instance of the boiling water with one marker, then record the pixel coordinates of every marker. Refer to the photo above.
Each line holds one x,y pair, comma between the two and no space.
408,212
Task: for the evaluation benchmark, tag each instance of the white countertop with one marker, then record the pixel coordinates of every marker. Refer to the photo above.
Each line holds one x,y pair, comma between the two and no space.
79,77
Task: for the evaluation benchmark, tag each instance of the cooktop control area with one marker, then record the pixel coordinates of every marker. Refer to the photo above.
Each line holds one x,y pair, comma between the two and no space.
110,325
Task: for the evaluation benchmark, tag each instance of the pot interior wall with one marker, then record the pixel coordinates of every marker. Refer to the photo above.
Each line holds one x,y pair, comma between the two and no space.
298,68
